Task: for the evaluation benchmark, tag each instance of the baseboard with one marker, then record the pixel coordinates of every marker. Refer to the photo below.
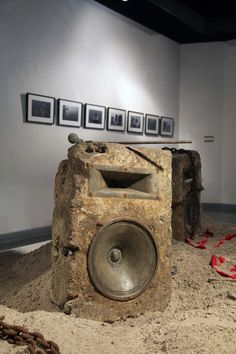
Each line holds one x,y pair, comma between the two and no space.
25,237
216,207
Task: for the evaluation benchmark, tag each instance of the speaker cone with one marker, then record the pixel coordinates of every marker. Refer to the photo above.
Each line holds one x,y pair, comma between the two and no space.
122,259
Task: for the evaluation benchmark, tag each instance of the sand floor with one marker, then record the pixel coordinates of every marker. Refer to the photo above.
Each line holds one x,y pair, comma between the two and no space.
200,318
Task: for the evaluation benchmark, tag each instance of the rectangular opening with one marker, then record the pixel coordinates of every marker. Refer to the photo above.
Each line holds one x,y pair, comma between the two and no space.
107,181
116,179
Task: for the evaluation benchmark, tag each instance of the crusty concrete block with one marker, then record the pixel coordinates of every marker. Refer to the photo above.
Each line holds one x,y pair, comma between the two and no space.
85,201
186,193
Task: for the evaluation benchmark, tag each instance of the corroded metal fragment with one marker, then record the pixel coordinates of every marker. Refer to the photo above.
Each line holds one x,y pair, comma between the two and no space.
186,193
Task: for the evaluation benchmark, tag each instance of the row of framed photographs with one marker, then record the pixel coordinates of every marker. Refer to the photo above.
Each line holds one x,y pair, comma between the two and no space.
41,109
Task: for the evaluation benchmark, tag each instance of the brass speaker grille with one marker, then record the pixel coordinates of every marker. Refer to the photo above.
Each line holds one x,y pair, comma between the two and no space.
122,259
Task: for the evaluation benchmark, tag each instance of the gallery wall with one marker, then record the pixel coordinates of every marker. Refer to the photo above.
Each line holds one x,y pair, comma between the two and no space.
76,50
228,190
201,108
207,108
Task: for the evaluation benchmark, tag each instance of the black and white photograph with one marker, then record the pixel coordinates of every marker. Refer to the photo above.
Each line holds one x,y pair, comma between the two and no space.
94,116
167,126
116,119
152,124
135,122
69,113
40,109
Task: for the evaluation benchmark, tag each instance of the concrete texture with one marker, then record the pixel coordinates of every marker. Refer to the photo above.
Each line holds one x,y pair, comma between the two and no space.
186,193
79,213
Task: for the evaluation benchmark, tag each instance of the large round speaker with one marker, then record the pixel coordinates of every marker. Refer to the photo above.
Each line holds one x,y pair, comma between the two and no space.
122,259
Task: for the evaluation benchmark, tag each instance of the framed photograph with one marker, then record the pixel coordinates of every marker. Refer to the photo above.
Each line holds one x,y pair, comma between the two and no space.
167,126
94,116
40,109
152,124
116,119
135,122
69,113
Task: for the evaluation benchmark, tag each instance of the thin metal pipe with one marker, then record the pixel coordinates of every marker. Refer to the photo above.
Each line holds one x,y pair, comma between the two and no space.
74,139
150,142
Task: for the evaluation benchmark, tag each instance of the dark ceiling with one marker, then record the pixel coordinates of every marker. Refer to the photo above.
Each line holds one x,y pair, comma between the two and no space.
185,21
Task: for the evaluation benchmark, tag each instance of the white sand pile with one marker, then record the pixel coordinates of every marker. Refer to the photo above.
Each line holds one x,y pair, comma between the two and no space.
200,318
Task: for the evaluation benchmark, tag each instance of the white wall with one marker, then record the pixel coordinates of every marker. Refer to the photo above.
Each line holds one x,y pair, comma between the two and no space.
208,107
78,50
228,190
201,109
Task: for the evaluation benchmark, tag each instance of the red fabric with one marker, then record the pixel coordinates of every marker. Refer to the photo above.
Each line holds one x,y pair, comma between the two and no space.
219,243
226,238
229,237
222,259
200,244
217,261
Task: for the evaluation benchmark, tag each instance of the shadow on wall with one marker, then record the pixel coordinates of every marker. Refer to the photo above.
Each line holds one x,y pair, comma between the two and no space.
23,106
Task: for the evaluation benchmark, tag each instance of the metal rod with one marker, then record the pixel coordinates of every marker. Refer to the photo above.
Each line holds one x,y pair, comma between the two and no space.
74,139
151,142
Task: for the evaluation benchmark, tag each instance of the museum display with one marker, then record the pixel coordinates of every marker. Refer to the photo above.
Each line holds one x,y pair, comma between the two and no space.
40,109
111,233
69,113
116,119
167,127
135,122
94,116
152,123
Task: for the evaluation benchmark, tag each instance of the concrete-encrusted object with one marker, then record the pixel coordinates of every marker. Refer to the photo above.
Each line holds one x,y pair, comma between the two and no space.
102,184
186,193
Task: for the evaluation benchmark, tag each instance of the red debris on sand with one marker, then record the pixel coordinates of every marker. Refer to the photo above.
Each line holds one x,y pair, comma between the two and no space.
229,270
200,244
217,261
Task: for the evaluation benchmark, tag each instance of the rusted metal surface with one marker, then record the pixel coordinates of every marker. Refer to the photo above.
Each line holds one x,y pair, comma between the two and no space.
122,259
186,193
19,335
